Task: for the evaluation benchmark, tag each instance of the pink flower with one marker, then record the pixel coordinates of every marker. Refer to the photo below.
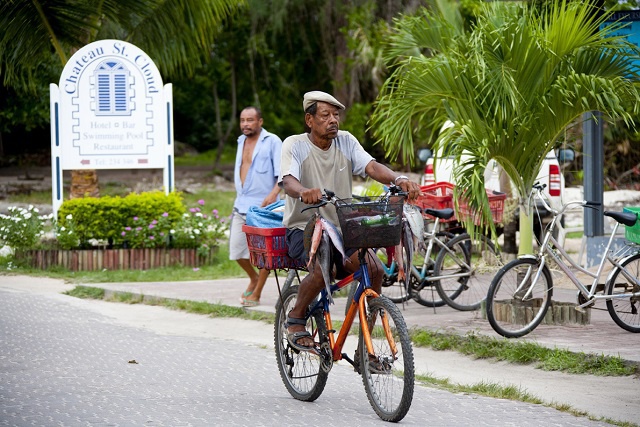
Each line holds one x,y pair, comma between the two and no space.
151,237
201,202
128,228
138,228
192,210
123,233
215,212
154,222
166,214
162,233
151,226
135,218
196,269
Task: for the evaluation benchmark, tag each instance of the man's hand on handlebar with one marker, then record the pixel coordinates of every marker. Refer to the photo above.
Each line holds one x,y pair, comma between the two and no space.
411,188
310,196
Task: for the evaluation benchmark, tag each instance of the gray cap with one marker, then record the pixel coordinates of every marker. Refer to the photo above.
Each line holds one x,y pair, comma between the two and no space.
316,95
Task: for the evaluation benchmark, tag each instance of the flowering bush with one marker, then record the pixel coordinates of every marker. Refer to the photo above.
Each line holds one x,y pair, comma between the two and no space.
65,234
195,229
21,228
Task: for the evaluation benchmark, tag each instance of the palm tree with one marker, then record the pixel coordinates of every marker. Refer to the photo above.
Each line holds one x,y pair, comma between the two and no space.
510,85
178,35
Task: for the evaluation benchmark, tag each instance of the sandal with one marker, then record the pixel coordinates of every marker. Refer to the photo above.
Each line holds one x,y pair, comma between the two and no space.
244,296
250,302
294,337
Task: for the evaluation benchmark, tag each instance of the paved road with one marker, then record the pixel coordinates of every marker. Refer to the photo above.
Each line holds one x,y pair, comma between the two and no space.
65,361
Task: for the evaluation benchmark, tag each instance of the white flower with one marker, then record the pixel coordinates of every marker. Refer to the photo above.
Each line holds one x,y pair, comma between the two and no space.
196,231
69,216
36,210
27,215
30,207
172,231
62,228
198,213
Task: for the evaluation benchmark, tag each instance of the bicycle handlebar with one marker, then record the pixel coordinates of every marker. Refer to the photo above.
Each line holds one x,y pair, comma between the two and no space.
330,197
538,191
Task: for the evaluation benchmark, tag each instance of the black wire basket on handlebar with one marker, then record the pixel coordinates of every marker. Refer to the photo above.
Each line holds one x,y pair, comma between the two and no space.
370,222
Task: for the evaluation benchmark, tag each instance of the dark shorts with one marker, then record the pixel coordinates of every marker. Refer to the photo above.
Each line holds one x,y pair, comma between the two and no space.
295,242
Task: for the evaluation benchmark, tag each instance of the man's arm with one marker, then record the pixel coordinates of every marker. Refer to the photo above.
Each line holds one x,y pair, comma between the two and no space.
386,176
271,197
293,188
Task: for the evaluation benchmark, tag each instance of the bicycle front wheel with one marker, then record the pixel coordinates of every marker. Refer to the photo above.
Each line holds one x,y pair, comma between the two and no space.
465,270
515,305
625,311
301,371
388,375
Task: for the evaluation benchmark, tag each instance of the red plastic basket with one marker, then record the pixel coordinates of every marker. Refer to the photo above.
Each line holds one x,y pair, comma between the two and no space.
496,204
268,248
436,196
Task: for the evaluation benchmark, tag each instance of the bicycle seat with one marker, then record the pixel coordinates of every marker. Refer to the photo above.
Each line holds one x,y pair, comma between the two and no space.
439,213
626,218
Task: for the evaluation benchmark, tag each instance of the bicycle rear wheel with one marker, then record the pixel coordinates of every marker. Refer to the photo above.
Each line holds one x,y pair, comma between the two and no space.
510,312
625,311
466,270
293,278
301,371
388,375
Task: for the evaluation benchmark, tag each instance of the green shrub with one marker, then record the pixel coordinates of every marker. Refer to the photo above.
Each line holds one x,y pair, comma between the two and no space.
194,229
105,218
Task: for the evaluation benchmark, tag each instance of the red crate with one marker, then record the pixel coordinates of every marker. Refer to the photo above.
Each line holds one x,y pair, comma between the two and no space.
268,248
436,196
496,204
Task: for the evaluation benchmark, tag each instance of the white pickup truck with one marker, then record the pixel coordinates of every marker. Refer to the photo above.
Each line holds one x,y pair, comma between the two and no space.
441,168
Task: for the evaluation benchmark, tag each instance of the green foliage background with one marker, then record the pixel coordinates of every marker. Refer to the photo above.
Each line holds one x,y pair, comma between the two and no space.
266,53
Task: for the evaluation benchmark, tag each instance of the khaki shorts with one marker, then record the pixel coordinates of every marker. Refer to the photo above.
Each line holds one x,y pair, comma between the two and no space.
238,248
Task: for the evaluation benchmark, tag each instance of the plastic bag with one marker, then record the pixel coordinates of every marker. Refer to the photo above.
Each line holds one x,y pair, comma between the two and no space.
268,217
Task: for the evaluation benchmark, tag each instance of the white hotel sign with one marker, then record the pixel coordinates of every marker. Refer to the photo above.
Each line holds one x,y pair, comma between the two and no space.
110,111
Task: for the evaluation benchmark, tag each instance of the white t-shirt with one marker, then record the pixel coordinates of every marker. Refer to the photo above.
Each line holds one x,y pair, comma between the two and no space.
332,169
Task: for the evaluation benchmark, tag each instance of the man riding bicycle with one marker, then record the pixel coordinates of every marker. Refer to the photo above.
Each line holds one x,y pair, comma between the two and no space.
324,157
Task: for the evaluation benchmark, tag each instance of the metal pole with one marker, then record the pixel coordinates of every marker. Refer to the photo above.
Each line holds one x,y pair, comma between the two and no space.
593,165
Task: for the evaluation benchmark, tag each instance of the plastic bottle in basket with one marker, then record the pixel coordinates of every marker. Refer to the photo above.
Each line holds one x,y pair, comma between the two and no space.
372,221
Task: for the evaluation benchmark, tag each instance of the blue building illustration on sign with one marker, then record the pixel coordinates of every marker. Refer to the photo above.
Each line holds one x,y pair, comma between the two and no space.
111,89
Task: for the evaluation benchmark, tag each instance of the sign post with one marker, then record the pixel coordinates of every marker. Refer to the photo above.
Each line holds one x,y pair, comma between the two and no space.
110,111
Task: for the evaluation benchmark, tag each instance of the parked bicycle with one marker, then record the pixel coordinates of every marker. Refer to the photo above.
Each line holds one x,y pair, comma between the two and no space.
385,355
452,270
521,292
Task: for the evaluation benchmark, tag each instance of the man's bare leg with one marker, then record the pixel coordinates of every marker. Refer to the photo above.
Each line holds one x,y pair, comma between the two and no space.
253,276
256,292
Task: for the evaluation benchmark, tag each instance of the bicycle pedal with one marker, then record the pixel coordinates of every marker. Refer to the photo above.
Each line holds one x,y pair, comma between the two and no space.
581,308
348,359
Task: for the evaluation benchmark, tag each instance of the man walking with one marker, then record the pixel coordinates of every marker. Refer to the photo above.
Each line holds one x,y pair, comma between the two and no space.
255,176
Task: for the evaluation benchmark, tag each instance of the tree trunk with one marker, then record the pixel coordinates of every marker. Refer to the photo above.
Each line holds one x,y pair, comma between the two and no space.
526,229
216,106
232,122
84,183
